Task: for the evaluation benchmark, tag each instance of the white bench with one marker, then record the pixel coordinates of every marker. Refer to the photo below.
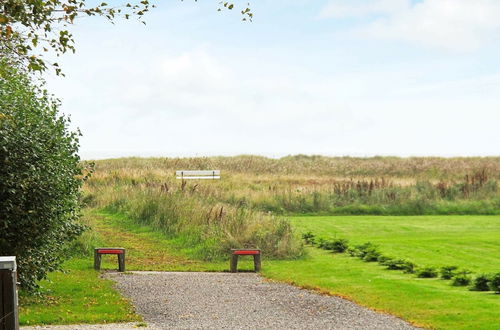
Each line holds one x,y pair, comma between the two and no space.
187,175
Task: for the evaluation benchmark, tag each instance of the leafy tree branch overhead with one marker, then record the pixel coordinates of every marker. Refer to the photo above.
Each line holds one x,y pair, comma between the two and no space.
31,28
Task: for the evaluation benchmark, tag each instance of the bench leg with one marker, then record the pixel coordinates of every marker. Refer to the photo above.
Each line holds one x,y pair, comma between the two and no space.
256,262
234,263
97,260
121,262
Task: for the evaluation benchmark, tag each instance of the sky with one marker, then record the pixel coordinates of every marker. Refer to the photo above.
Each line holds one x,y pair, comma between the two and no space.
331,77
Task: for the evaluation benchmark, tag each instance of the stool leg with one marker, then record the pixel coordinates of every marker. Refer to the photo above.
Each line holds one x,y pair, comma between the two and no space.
256,262
234,263
121,262
97,260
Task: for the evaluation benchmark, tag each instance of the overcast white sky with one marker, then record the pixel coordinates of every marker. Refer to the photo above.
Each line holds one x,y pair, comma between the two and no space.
333,77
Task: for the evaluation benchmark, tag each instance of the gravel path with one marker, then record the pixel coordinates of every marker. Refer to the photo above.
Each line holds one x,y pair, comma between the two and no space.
170,300
111,326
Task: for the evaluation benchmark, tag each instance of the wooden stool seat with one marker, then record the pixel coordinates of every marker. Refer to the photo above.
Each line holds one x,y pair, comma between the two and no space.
235,253
120,252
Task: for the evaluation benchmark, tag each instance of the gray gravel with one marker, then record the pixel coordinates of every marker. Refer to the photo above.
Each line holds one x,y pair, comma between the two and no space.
111,326
171,300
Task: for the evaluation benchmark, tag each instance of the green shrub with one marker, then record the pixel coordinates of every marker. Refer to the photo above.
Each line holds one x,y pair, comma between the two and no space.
340,245
40,178
495,283
481,283
369,249
322,243
427,272
309,238
353,252
383,260
400,264
447,272
371,256
409,267
394,264
397,264
461,278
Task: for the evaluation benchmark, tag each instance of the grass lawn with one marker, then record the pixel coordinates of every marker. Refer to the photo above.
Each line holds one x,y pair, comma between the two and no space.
470,242
426,302
76,295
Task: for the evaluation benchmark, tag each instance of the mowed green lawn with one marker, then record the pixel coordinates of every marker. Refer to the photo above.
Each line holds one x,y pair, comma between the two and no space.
77,295
470,242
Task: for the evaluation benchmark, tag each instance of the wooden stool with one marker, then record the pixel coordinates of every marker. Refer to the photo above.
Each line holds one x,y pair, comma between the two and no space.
235,253
120,252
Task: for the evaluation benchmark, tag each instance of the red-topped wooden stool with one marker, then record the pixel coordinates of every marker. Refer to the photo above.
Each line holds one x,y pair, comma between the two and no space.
120,252
235,253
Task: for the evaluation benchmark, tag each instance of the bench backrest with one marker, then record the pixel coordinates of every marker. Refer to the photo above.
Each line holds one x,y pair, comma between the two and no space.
186,175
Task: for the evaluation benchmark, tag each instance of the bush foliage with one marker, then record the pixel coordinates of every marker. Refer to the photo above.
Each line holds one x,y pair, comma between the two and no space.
400,264
427,272
339,245
495,283
40,178
448,272
368,252
462,278
481,283
309,238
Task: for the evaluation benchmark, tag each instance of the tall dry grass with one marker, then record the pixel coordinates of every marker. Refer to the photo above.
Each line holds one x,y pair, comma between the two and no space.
317,167
190,214
240,210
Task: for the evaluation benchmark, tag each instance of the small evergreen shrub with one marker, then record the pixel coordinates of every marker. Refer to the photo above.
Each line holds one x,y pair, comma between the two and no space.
462,278
309,238
329,245
368,252
321,243
396,264
448,272
495,283
481,283
371,256
427,272
325,244
383,260
366,247
337,245
353,252
409,267
340,245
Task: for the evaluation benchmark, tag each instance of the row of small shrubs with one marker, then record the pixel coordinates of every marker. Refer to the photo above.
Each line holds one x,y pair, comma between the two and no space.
369,252
336,245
